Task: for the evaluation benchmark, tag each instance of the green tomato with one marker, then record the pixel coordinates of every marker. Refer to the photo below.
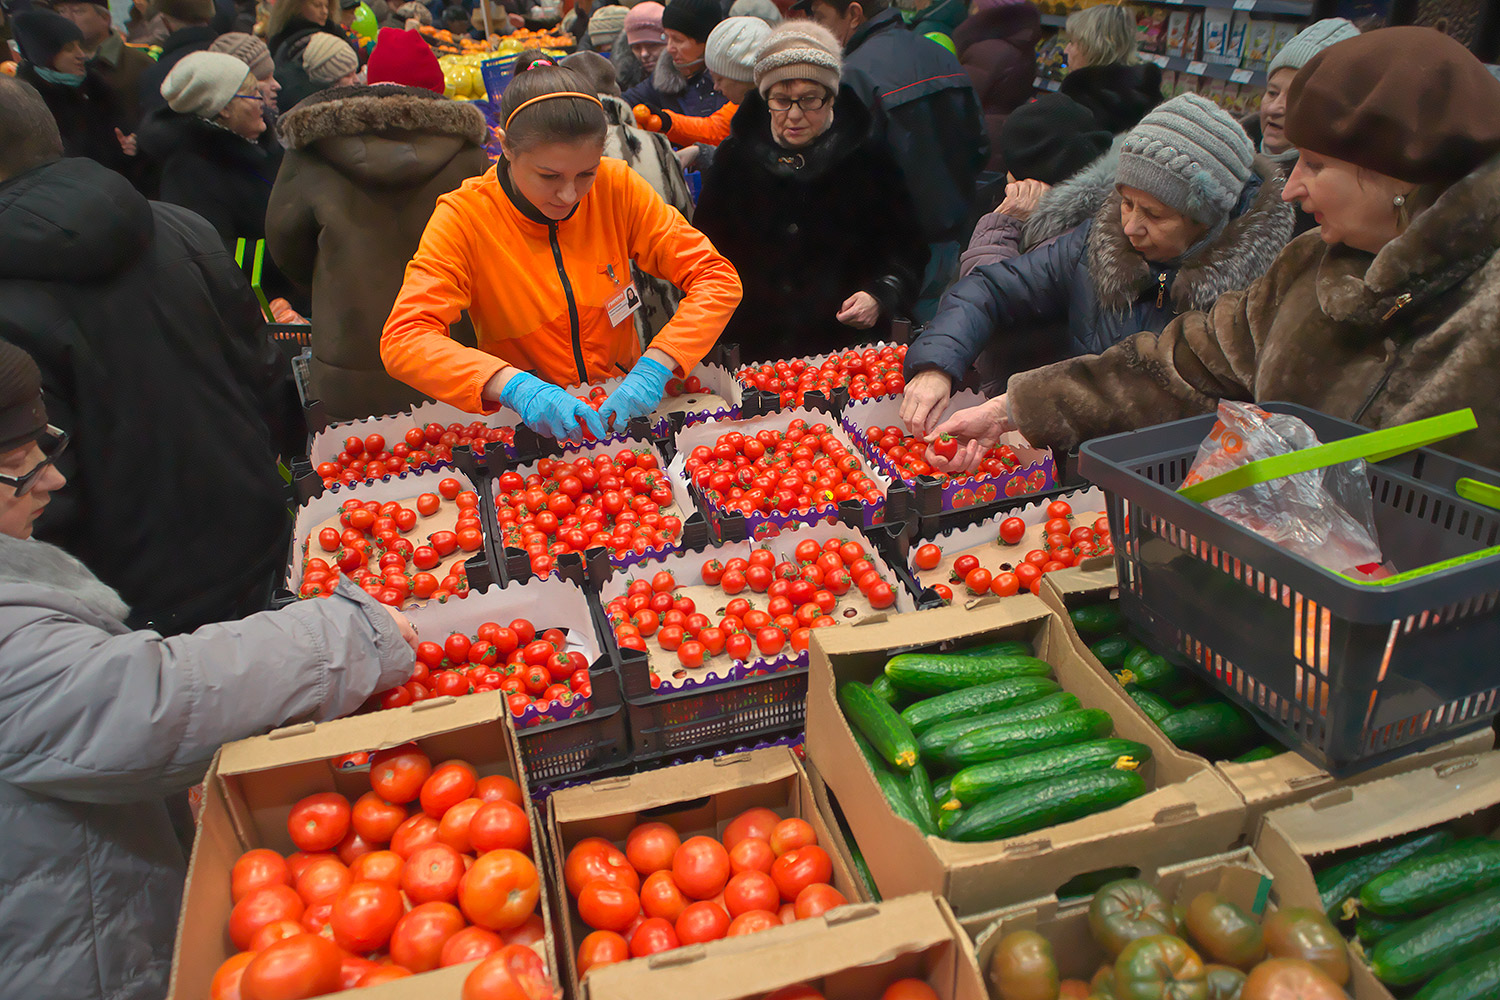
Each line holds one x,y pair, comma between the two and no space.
1161,967
1128,909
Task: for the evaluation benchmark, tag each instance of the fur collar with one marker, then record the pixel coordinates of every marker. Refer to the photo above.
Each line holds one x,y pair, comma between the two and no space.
666,78
1237,256
348,111
37,564
1074,201
1442,247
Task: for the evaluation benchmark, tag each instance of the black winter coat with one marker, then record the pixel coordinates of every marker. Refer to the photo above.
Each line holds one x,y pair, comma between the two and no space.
997,48
87,116
177,47
807,230
926,109
154,357
286,52
1118,95
1091,282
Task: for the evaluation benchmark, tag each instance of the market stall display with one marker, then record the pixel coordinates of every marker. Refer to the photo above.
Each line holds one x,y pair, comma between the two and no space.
707,393
859,373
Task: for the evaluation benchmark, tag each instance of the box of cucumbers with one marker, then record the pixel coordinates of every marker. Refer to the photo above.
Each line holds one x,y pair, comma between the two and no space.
977,756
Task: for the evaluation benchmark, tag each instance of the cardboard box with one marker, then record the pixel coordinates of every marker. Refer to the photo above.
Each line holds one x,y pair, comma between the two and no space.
1189,812
851,953
1263,784
698,798
253,784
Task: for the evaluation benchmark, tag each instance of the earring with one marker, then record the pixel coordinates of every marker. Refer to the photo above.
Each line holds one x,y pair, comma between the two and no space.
1403,219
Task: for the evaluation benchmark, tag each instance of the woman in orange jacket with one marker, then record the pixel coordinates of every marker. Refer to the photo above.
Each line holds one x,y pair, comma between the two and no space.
730,58
539,251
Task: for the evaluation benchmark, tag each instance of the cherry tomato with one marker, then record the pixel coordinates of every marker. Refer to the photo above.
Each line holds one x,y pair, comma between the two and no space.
928,556
1012,530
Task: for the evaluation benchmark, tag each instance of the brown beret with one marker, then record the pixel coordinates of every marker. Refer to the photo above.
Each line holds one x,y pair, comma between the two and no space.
1409,102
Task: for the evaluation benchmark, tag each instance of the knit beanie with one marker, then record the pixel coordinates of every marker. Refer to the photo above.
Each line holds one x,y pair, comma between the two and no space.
694,18
732,46
1310,41
23,416
1050,139
203,83
414,10
328,58
1190,155
403,57
763,9
191,11
605,24
42,34
1411,103
799,50
643,24
247,49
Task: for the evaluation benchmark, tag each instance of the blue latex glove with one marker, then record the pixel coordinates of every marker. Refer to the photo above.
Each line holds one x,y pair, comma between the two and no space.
549,410
637,395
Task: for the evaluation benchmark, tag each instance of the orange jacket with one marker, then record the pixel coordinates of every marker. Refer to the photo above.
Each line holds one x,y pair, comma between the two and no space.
537,292
710,130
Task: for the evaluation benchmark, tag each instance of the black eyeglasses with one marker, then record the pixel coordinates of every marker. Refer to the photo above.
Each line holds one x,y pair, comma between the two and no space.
805,103
51,445
248,97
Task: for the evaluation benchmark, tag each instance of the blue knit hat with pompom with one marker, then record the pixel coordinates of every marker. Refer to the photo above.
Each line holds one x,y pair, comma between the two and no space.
1190,155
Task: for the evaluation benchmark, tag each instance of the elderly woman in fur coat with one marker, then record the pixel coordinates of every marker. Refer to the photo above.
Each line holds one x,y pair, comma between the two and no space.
1190,213
363,169
1387,313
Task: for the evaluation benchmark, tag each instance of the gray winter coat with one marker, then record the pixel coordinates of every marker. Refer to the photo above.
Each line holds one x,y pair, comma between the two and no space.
99,724
1092,280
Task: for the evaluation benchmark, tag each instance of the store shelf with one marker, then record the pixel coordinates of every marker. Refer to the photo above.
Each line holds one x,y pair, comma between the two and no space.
1214,71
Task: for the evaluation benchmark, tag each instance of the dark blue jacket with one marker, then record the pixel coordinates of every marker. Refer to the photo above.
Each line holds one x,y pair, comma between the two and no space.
1089,289
699,100
927,110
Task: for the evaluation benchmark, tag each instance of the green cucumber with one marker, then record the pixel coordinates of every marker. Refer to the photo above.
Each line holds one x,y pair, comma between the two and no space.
1136,656
1214,729
979,700
1151,673
943,799
1186,691
1430,944
1018,738
1476,979
862,868
1341,881
938,673
880,724
1423,884
876,762
932,742
1046,803
1370,929
947,819
1263,752
1112,650
1005,647
920,788
886,691
1155,708
898,796
974,784
1097,620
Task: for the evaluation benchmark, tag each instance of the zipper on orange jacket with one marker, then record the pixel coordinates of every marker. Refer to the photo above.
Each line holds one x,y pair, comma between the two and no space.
562,272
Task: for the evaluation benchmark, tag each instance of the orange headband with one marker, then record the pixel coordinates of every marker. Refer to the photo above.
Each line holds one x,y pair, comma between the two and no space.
547,97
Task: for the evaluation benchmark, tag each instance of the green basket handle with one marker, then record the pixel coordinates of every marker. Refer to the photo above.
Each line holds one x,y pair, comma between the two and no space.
1374,446
1476,492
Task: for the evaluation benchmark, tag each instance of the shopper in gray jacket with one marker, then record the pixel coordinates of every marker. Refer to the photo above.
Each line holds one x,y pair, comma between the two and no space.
98,725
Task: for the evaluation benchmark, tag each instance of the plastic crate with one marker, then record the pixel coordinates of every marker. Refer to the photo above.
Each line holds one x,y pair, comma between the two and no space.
1351,675
312,407
585,747
684,722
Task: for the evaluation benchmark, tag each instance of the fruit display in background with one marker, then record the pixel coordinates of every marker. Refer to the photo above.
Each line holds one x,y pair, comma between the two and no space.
803,468
867,373
431,867
368,457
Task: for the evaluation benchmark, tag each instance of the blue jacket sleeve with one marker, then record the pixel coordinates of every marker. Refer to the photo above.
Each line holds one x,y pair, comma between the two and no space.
1024,290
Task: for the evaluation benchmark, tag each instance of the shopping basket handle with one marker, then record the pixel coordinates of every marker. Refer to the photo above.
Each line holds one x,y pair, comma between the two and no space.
1476,492
1374,446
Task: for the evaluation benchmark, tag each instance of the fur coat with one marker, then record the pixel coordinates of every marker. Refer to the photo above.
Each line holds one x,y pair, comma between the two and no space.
1379,339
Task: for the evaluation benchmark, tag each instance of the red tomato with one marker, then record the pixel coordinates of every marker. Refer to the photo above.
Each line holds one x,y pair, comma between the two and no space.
318,822
469,944
453,828
257,869
601,948
500,890
418,938
378,866
595,857
432,874
498,788
260,907
500,824
650,847
751,890
365,914
415,833
660,897
515,972
702,922
225,984
756,823
322,880
791,834
909,989
751,855
449,784
1012,530
397,775
607,906
978,581
1005,584
275,931
817,899
306,965
428,504
450,489
375,819
701,867
652,936
798,869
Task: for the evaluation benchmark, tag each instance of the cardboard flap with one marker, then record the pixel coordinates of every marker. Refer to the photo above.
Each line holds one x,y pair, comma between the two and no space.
639,792
953,622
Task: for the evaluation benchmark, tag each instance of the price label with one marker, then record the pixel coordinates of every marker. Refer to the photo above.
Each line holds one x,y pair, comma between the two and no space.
1196,68
1244,4
1241,76
1160,60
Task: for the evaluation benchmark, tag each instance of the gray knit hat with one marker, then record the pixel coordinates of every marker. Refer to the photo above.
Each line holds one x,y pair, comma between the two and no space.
763,9
247,49
203,83
732,46
1310,41
799,50
328,58
1189,154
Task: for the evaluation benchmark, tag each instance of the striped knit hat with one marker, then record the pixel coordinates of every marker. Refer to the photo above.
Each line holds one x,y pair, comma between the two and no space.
1191,156
799,50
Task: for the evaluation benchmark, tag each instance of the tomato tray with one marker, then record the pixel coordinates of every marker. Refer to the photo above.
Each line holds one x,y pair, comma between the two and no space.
933,494
715,395
824,390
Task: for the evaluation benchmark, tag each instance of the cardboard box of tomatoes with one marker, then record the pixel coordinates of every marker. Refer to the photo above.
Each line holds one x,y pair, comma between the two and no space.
260,868
672,825
1263,785
909,948
1182,809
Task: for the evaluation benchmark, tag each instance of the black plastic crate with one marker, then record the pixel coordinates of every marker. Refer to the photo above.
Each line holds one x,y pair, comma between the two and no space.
1350,675
313,411
789,737
585,747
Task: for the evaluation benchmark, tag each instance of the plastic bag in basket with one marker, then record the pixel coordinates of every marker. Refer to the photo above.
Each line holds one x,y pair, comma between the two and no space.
1326,516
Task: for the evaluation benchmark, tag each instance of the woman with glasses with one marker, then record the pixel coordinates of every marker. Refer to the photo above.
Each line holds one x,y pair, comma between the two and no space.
99,725
810,208
205,145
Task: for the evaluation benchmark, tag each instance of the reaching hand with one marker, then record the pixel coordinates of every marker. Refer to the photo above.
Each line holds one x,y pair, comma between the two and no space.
127,142
922,402
978,429
637,395
549,410
860,310
404,626
1021,198
687,156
